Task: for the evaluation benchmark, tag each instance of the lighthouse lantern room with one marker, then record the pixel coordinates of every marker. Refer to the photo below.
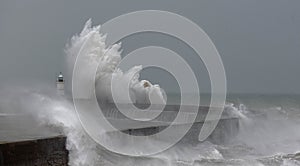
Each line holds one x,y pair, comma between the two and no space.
60,84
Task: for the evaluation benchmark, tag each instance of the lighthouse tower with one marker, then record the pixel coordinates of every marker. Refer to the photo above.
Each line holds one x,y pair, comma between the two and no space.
60,84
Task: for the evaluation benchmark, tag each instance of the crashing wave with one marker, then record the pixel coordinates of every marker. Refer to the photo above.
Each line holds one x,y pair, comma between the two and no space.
109,57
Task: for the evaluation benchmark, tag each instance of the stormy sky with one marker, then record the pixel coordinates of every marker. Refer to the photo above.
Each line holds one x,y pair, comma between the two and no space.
258,40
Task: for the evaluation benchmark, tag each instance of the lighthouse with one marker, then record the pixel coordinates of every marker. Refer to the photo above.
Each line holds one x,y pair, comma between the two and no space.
60,84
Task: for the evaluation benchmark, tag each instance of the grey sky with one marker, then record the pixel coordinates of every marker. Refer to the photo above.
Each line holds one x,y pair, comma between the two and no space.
258,40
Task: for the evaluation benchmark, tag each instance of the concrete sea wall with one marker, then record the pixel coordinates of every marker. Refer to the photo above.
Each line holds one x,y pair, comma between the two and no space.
52,151
41,152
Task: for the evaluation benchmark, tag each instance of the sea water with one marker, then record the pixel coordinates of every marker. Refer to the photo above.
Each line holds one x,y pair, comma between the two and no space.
268,133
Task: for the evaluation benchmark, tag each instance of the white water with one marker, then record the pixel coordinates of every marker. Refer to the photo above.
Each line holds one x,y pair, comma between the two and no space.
266,136
108,57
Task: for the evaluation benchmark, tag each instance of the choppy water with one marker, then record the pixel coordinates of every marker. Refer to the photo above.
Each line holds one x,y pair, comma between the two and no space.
269,134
